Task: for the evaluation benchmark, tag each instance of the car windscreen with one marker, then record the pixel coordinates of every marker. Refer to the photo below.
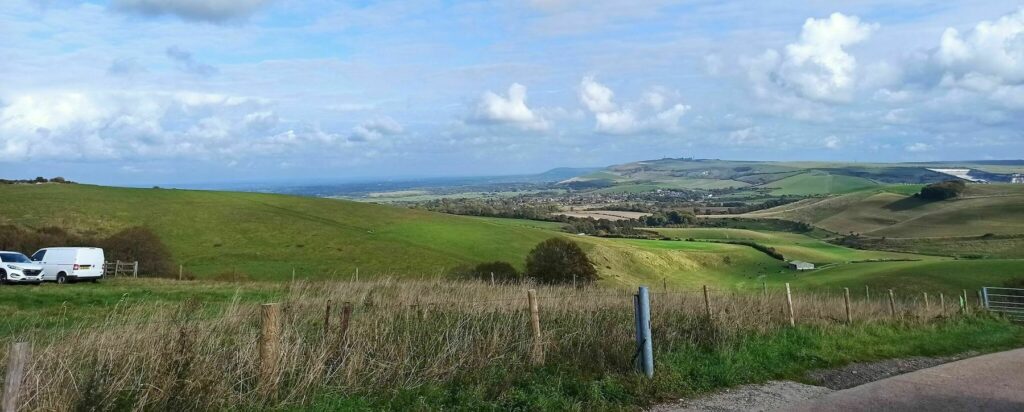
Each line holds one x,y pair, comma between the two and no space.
14,258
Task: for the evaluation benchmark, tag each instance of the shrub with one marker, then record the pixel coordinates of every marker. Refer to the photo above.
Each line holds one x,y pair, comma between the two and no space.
943,190
140,244
503,272
557,260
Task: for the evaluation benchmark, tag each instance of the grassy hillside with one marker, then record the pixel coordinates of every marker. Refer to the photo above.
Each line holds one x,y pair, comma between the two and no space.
996,209
779,178
792,245
265,236
818,182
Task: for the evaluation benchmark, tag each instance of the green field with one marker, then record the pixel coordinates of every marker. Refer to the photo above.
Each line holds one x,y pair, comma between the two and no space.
792,245
775,178
818,182
996,209
266,236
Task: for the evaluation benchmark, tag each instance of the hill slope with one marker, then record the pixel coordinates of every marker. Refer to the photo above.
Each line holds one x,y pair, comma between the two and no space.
778,178
266,235
984,209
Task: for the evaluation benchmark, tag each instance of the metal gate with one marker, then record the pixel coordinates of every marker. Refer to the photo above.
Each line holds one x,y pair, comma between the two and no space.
1008,301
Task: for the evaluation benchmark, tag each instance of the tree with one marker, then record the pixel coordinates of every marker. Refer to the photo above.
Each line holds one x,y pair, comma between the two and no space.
943,190
557,260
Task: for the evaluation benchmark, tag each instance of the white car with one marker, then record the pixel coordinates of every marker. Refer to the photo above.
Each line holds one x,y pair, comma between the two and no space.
17,268
69,264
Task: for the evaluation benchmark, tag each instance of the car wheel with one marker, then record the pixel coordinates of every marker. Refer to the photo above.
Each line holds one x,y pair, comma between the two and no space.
3,276
62,278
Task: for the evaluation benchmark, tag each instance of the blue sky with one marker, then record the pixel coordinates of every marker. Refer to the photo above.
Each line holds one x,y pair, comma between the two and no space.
141,92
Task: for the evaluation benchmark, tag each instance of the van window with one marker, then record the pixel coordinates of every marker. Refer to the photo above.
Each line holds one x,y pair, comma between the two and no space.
38,257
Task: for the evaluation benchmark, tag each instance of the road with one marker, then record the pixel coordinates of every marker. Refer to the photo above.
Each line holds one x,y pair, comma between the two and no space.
992,382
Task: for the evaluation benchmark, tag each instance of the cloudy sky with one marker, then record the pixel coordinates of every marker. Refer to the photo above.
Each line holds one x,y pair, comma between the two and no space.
140,92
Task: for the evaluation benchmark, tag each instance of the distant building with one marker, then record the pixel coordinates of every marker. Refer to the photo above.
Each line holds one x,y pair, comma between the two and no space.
798,265
1017,178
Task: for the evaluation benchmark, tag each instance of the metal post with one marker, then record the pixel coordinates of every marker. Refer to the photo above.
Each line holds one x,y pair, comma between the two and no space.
646,349
984,295
135,269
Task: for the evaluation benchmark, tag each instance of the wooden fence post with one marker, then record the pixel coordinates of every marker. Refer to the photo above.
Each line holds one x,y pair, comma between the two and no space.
764,289
327,319
926,305
346,319
789,304
965,308
573,279
181,269
269,346
135,269
707,302
942,303
846,298
867,292
17,359
981,300
537,352
892,303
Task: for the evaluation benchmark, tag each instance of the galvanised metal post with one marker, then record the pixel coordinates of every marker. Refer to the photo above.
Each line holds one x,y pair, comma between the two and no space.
646,348
984,294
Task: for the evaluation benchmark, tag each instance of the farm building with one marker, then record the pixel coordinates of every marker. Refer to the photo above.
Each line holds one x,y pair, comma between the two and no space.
798,265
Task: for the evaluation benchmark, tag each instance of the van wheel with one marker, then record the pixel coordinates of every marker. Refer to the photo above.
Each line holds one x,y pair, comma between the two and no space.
62,278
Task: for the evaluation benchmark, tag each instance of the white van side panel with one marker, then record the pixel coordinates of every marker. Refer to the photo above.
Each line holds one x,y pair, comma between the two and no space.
64,259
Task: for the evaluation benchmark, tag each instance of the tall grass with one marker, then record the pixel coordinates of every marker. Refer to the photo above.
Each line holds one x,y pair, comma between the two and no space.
403,335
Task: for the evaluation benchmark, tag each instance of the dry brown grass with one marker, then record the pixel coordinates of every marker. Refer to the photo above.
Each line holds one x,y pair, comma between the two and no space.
403,334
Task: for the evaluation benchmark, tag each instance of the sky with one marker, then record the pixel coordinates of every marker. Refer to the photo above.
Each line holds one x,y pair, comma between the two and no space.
140,92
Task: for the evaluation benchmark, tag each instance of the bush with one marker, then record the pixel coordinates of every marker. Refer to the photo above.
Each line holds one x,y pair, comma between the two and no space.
140,244
943,190
503,272
131,244
557,260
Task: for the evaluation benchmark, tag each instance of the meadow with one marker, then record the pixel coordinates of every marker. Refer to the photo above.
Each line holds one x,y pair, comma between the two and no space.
437,344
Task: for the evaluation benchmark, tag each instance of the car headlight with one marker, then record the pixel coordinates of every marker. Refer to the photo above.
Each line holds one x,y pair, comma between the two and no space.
12,267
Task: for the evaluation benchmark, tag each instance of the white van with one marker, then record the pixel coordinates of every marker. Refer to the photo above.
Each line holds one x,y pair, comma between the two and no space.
64,264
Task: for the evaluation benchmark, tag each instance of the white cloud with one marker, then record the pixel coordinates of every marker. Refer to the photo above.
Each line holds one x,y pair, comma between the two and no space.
994,49
596,96
200,10
494,108
140,125
648,115
918,147
833,142
817,67
375,129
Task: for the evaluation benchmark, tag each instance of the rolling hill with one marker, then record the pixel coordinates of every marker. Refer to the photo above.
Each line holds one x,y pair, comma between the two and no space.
777,178
265,236
983,209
